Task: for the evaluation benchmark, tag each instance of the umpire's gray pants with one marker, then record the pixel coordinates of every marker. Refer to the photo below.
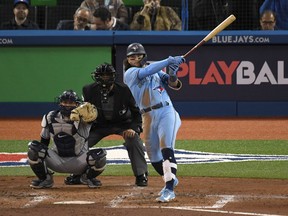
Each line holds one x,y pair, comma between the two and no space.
134,146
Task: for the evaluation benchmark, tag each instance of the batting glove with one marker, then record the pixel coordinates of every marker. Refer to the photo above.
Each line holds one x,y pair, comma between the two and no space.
176,60
172,71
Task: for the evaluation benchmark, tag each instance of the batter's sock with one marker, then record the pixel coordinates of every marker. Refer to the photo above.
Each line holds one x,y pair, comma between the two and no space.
158,166
168,154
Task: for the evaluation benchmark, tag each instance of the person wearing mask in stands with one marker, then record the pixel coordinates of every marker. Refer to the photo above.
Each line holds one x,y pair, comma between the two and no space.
20,21
116,7
153,16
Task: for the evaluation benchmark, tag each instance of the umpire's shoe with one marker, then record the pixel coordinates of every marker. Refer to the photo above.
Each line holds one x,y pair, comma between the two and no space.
142,180
40,183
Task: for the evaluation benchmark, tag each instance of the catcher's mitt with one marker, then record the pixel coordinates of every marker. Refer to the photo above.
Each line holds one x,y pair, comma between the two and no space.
86,111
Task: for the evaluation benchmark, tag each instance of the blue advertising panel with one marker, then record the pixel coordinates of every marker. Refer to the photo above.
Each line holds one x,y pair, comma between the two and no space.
226,73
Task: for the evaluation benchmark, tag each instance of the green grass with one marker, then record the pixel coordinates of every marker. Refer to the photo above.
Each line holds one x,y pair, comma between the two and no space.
253,169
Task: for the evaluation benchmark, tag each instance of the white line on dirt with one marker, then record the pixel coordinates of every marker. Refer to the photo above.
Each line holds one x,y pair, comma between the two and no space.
213,209
194,208
222,202
35,201
76,202
223,212
115,202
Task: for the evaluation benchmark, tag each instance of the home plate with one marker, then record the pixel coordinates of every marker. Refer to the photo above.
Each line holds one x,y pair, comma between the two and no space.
76,202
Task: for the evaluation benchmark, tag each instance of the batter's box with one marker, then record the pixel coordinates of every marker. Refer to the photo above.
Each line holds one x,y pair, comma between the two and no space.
147,199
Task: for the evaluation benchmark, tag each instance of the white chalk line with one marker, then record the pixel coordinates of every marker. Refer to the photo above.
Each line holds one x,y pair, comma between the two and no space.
115,203
119,199
37,199
199,209
222,202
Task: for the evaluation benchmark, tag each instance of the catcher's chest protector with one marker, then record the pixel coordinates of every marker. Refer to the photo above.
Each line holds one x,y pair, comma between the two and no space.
67,141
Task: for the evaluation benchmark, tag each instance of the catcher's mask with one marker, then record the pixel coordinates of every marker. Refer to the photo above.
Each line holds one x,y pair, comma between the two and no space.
104,76
138,50
68,101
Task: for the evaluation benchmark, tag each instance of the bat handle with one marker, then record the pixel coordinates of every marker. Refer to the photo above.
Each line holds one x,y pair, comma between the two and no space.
193,48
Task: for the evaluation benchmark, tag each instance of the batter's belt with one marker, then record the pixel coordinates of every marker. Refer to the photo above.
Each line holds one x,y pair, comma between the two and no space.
156,106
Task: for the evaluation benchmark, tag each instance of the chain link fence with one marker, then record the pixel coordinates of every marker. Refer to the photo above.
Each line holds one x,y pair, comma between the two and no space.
195,14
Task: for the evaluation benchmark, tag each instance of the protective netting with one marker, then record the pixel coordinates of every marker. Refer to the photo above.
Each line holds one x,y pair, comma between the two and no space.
195,14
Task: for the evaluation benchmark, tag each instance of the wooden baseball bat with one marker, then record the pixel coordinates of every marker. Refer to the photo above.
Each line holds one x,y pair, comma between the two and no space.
214,32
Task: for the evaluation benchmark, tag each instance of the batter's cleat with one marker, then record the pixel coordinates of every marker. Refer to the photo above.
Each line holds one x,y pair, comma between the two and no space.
94,183
46,183
142,180
166,196
175,183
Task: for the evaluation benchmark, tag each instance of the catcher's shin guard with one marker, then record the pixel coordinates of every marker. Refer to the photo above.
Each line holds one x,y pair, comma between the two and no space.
40,170
96,160
36,155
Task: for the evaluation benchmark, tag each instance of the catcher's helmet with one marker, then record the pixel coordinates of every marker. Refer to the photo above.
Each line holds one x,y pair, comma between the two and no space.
68,95
104,75
135,48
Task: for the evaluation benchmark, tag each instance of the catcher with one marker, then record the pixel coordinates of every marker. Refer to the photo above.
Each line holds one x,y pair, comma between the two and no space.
68,128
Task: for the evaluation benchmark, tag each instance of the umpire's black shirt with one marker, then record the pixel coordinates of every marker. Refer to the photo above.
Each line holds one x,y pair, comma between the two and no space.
125,113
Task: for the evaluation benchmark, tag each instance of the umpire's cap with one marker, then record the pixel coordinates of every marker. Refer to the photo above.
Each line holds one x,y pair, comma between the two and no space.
26,2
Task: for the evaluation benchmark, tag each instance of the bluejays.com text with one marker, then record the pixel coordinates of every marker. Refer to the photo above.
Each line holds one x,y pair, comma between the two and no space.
239,39
6,41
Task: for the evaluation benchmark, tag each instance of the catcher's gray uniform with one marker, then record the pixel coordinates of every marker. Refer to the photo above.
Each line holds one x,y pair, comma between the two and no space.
72,157
69,152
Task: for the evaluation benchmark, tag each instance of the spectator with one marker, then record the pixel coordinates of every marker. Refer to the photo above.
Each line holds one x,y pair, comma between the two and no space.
207,14
116,7
69,152
117,114
20,20
153,16
102,20
82,20
268,20
246,13
280,8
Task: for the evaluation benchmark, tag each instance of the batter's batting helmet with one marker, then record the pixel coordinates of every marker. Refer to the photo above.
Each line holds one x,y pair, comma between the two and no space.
135,48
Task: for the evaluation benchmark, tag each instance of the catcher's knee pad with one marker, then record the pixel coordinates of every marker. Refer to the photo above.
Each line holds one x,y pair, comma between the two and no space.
37,152
96,159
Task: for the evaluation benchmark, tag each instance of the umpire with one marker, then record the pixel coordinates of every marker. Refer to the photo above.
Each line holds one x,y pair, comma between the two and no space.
117,114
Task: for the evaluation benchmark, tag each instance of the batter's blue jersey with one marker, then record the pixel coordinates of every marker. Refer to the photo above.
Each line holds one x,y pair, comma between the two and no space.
148,84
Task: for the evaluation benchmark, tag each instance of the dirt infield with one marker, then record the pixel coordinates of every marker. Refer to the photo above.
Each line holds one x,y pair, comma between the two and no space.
119,196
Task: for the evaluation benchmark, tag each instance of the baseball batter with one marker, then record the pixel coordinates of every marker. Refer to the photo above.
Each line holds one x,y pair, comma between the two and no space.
69,152
160,120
